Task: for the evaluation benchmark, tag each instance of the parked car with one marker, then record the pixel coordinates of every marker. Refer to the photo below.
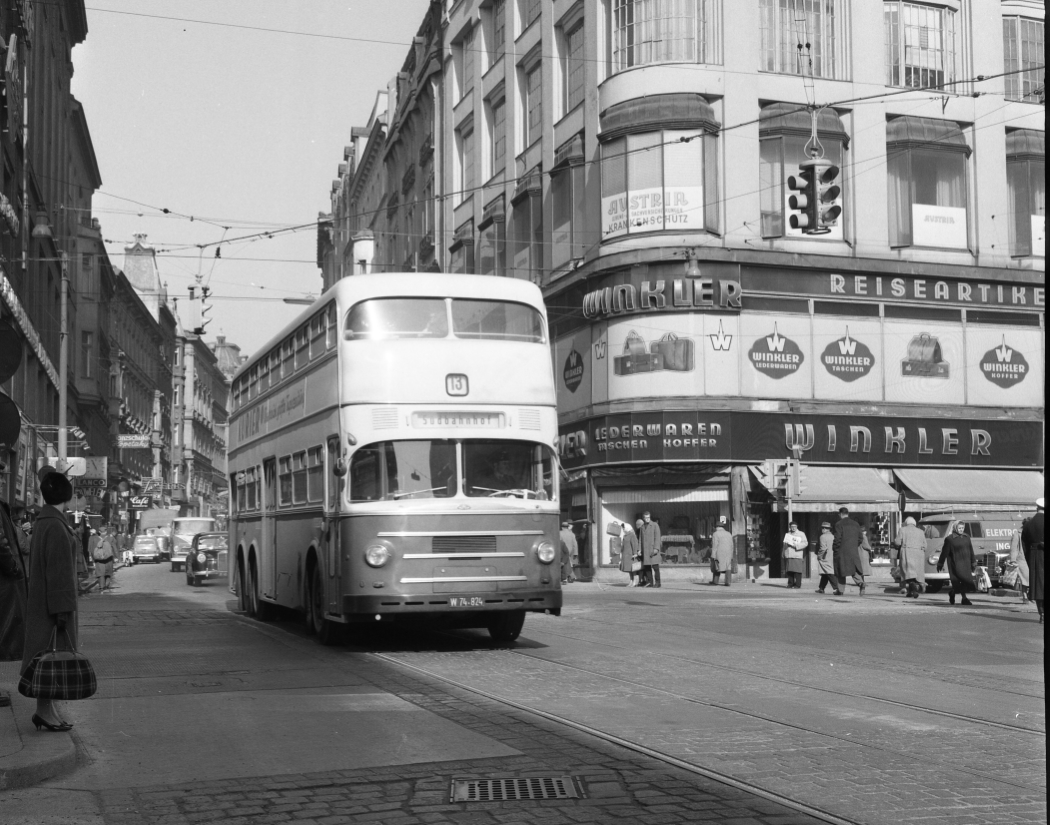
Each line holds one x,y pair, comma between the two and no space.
208,558
182,532
145,548
990,534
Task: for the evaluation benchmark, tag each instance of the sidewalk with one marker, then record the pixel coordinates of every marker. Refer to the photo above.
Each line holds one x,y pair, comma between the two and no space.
27,756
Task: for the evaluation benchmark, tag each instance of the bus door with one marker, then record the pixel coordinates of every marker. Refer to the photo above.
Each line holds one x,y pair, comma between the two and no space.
268,570
332,527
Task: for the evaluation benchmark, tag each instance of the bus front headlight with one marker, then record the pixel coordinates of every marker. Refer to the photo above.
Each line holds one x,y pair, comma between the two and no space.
545,552
377,555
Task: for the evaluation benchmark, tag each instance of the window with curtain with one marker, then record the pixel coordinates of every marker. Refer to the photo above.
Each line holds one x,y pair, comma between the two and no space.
467,47
499,30
572,67
786,26
567,195
780,156
1026,190
664,31
527,236
466,161
656,181
1023,59
922,44
87,350
529,11
927,195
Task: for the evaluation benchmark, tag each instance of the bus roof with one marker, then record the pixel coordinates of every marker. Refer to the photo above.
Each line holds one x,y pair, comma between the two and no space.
354,288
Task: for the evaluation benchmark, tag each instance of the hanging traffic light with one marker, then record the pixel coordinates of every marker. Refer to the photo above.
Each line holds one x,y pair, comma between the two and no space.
815,208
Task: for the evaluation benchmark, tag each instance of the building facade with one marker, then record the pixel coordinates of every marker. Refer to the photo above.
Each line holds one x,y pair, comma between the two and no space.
636,159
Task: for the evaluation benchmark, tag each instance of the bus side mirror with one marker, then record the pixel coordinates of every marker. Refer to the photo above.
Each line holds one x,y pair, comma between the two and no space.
340,467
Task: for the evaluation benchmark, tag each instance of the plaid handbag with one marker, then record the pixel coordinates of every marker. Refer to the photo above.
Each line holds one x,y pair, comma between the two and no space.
58,674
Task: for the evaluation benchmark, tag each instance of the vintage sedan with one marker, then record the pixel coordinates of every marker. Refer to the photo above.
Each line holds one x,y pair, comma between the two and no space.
207,558
145,548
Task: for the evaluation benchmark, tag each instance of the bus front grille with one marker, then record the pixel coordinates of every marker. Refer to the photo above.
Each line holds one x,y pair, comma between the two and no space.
463,544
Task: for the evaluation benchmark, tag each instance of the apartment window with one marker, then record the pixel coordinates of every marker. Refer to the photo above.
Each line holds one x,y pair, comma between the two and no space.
461,252
87,350
529,11
657,178
492,240
784,132
664,31
572,67
1026,188
1023,51
926,164
567,196
533,119
498,118
527,227
921,45
468,62
799,37
465,142
498,23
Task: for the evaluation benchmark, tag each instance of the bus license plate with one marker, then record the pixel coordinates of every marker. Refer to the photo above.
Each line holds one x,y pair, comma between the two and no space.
466,601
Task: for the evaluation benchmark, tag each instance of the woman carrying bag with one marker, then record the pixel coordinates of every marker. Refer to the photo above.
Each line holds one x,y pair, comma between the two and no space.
51,613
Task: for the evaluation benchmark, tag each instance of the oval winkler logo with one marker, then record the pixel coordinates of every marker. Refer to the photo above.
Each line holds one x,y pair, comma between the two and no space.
847,358
1004,366
775,355
573,373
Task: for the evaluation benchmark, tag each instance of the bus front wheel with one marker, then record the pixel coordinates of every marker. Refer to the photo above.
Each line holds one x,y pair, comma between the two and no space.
327,631
506,627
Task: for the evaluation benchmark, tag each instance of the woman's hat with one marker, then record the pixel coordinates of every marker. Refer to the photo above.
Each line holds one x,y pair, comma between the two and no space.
722,520
826,524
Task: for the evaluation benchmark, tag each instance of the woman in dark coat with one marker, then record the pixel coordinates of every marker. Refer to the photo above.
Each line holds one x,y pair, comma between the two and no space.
957,553
1032,541
52,603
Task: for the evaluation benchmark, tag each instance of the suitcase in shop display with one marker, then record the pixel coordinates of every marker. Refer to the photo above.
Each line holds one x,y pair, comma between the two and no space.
924,358
635,358
677,352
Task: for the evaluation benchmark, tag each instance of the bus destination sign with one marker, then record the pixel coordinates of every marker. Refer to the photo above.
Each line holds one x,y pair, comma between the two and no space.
471,420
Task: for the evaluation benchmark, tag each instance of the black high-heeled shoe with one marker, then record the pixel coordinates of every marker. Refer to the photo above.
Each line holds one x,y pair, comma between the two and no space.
43,723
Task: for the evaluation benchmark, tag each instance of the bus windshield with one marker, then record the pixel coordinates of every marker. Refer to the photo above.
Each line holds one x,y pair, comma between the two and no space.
398,470
386,318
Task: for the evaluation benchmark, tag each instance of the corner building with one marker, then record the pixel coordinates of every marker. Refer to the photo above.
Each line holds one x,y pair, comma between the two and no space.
632,157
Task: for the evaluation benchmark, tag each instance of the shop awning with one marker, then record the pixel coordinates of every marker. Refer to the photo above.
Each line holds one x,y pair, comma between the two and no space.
972,489
861,489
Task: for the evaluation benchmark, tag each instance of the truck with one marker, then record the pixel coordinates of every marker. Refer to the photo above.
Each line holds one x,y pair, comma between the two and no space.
158,522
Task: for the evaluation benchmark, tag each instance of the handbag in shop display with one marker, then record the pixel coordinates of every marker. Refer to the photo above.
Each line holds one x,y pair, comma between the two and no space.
635,359
924,358
677,352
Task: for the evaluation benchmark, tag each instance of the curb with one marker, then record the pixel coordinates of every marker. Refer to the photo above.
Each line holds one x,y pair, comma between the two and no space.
42,756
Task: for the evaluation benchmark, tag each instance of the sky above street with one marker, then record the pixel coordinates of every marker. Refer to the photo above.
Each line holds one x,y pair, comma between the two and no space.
219,122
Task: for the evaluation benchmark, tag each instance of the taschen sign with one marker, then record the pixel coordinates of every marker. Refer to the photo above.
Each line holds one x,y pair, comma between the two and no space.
847,358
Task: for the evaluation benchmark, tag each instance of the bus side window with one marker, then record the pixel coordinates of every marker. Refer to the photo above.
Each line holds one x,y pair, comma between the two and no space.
284,480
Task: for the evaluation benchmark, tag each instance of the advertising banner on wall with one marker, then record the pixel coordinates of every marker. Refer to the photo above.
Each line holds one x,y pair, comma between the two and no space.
721,344
745,436
848,356
654,357
601,361
573,370
1004,367
924,362
777,356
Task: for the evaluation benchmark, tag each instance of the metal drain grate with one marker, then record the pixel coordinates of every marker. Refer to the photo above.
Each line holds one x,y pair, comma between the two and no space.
497,790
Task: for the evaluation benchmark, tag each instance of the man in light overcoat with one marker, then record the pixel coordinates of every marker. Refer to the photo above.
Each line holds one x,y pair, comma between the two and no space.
721,553
649,537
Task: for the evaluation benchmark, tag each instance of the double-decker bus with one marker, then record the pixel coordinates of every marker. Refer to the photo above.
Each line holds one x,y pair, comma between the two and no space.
392,457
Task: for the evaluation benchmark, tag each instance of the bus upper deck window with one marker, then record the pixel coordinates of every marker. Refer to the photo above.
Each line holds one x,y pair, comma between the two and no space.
382,318
500,320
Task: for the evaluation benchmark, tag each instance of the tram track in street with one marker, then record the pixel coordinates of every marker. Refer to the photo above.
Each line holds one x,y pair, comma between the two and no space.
795,683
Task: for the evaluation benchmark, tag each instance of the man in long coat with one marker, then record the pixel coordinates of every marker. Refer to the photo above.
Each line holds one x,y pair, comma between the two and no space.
630,552
1032,541
569,550
826,560
911,557
721,553
649,537
957,553
847,550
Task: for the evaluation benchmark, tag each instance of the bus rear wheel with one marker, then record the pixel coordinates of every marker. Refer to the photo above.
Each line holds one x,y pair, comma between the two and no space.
257,608
328,632
506,627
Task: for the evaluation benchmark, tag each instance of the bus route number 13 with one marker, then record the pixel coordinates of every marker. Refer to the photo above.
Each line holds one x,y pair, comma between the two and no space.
456,384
